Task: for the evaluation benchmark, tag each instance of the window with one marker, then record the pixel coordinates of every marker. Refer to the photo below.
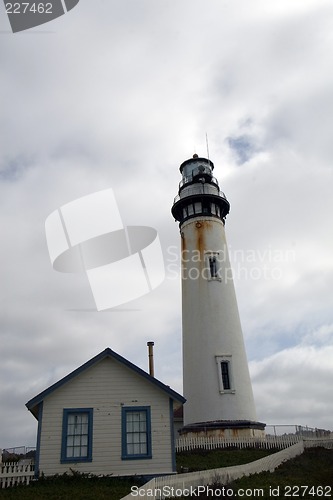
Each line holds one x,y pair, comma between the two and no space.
216,209
224,372
77,435
213,267
225,375
198,207
136,434
206,207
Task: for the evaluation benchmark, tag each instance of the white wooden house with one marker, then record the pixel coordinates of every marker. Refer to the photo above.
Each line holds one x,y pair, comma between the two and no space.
107,417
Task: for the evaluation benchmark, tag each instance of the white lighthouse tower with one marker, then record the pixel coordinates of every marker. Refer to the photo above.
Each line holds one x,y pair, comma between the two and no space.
216,378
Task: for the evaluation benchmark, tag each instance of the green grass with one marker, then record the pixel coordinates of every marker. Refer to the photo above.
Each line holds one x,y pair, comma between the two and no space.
313,468
72,488
212,459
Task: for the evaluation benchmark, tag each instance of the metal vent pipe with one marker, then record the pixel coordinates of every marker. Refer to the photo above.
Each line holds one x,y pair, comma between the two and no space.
151,357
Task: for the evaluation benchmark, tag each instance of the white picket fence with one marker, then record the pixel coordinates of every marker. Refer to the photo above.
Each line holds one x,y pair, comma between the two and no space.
14,473
322,442
211,443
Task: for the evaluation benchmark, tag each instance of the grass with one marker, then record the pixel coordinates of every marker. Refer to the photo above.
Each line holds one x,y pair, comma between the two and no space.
76,487
191,461
313,468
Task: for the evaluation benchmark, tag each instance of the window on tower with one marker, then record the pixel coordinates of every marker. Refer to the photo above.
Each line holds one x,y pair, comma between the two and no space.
198,207
224,373
206,207
217,210
212,266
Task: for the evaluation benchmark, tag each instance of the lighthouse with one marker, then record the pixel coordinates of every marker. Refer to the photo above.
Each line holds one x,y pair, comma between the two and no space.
216,380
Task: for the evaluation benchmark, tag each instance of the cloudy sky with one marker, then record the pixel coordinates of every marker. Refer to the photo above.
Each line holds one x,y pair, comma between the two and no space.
116,94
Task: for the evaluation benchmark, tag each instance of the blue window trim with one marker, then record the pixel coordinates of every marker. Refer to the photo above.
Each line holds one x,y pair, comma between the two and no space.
66,413
124,454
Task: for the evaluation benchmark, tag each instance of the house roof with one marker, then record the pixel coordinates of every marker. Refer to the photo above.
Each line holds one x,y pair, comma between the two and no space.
33,404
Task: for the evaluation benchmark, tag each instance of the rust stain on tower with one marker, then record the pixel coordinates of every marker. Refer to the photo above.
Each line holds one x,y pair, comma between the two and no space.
201,229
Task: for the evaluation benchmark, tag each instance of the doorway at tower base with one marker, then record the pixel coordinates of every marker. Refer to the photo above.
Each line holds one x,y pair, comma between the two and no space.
224,429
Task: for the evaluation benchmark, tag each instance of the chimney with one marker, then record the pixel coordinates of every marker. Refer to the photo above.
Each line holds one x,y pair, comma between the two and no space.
151,357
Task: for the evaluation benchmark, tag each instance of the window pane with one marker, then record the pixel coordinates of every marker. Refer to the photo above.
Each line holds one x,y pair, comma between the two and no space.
225,375
213,267
136,427
198,207
71,428
206,208
76,451
136,438
143,426
70,441
143,449
77,440
143,438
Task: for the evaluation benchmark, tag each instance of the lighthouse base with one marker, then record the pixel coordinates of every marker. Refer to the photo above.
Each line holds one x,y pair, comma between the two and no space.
224,429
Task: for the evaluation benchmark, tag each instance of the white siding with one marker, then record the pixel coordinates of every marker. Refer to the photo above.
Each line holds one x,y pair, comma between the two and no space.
106,387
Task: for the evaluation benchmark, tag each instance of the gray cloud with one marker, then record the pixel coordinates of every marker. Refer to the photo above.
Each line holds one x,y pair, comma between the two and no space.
296,377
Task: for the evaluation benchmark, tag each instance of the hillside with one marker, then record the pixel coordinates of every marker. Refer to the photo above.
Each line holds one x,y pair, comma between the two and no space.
307,476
